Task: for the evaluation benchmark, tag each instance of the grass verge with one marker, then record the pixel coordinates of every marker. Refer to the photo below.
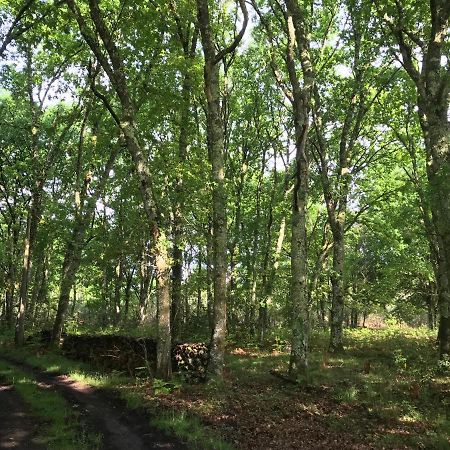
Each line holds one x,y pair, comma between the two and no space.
181,424
62,430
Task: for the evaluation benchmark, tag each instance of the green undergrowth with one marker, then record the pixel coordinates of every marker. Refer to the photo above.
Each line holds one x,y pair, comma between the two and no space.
62,430
388,381
394,374
387,385
179,423
191,430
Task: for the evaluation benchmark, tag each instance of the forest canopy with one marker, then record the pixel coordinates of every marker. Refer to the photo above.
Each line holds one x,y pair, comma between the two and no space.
220,170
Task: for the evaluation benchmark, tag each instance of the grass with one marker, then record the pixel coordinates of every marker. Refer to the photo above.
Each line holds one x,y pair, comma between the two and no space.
386,390
179,423
62,429
191,430
54,362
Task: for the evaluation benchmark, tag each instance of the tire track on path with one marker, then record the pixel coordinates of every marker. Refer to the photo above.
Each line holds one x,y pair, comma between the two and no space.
104,413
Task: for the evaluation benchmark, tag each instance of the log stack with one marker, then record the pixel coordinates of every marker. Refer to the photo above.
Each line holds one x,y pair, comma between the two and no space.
133,355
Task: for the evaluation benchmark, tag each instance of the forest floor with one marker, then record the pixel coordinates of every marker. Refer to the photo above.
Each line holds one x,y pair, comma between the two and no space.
385,391
18,426
98,412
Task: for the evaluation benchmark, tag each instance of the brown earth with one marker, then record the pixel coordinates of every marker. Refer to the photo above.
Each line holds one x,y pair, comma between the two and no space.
18,427
102,411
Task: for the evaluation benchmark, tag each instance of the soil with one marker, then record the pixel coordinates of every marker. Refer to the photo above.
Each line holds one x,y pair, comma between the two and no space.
18,428
102,411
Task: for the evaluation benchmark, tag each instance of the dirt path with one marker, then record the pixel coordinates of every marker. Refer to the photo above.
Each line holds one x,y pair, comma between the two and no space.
102,411
17,425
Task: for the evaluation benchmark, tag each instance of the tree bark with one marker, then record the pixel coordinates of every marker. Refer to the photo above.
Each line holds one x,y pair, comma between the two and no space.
215,137
301,97
113,65
432,83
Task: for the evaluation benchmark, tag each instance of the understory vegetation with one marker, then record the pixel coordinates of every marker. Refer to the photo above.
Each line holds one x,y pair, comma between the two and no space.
384,392
236,212
60,427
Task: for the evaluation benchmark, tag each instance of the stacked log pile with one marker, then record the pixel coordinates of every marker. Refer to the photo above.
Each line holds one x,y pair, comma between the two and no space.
191,360
130,355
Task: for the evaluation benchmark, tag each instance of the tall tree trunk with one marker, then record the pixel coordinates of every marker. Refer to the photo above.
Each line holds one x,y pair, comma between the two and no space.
189,48
11,274
336,196
177,276
234,245
337,290
71,263
34,215
437,141
127,294
209,279
38,278
215,133
146,276
297,35
199,284
113,65
41,298
433,88
118,281
34,211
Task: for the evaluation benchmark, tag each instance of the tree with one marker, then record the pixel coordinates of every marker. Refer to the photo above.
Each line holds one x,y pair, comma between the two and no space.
425,56
215,134
113,66
297,49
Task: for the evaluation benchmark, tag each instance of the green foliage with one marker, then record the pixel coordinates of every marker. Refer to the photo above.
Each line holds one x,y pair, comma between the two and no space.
190,430
165,387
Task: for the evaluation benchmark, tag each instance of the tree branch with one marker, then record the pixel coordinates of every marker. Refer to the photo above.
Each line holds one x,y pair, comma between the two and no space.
232,47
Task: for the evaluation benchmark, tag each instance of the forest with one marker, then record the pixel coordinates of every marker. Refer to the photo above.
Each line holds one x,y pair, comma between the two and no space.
234,214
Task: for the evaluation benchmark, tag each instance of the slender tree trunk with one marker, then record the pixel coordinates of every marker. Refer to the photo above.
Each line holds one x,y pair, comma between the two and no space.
337,289
11,274
177,276
430,309
234,245
297,35
127,294
118,281
270,265
209,278
39,275
34,215
41,298
35,208
74,298
145,282
113,65
199,284
71,263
